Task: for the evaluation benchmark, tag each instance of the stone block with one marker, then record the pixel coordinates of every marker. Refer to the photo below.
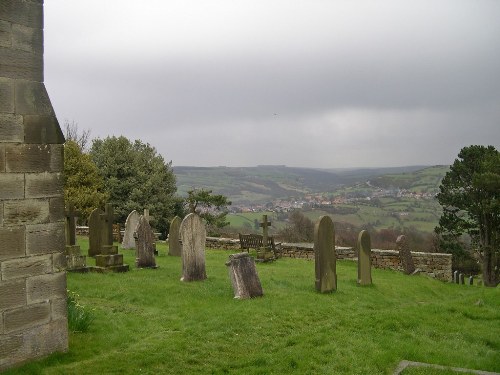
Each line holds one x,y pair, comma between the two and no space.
12,294
6,95
11,128
25,212
76,262
5,34
45,287
72,250
28,39
27,13
41,185
12,243
59,308
42,130
56,209
9,345
20,64
31,98
30,158
2,158
109,249
11,186
26,267
108,260
59,262
45,238
26,317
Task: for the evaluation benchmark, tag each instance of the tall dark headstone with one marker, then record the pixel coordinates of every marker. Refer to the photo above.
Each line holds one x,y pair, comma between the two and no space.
193,236
95,232
405,257
75,261
324,255
33,321
364,258
174,245
145,257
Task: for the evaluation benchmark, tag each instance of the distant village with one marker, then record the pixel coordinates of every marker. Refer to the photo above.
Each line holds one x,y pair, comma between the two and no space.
316,200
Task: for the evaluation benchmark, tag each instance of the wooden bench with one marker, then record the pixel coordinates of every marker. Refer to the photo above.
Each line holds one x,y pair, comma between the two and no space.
256,241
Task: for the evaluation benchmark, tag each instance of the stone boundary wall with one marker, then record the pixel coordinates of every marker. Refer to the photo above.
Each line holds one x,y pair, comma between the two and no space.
435,265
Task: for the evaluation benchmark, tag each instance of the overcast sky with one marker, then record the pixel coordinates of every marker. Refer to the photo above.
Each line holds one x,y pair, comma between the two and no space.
311,83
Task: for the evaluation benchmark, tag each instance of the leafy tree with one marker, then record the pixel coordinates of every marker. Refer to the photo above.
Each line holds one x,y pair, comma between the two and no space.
136,177
83,185
300,229
211,207
470,197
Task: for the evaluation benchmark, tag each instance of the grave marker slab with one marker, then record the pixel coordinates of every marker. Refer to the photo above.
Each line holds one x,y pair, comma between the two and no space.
405,257
244,277
128,241
324,255
95,232
364,258
193,236
145,257
174,245
75,261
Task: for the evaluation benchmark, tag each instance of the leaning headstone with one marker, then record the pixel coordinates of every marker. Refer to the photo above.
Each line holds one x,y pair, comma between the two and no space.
95,235
324,255
174,245
461,279
471,280
145,257
364,258
455,277
244,277
128,241
193,236
405,257
75,261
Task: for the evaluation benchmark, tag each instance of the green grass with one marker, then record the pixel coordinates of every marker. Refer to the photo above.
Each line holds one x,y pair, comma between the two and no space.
148,322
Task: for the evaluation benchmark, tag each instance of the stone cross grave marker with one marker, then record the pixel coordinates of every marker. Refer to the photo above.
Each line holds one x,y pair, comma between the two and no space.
95,235
71,215
128,241
265,230
193,236
364,258
244,277
147,216
324,255
405,255
144,245
174,245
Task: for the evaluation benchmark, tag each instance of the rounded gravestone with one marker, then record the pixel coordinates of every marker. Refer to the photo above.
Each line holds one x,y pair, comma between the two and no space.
324,255
174,245
193,237
128,241
364,258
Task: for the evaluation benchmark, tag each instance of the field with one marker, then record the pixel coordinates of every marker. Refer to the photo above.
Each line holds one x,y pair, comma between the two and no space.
148,322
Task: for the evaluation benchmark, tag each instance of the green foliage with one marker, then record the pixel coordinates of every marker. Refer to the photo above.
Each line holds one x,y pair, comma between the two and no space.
83,185
211,207
470,197
79,317
136,177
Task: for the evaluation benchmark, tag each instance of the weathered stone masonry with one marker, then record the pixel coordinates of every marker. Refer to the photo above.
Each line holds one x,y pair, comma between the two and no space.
33,319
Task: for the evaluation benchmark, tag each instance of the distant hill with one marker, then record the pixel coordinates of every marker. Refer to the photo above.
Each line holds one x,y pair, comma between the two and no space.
265,183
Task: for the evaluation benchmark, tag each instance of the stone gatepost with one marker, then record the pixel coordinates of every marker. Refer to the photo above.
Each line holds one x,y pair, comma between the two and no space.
33,318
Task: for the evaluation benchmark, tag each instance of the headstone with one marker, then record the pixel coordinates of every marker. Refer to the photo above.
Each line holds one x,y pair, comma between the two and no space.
117,237
75,261
244,277
471,280
107,218
174,245
156,237
405,257
455,277
324,255
461,279
95,232
193,236
130,226
144,245
364,258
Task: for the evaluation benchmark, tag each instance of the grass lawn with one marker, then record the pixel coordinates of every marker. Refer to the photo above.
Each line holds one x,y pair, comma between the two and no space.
148,322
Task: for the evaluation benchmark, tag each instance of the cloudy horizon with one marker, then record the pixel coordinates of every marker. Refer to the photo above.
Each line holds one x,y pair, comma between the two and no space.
321,84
